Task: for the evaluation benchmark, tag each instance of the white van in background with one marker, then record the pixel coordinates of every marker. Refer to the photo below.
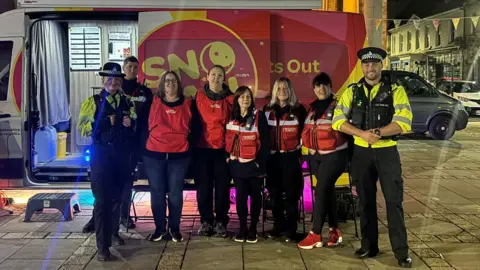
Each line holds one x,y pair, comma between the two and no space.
468,92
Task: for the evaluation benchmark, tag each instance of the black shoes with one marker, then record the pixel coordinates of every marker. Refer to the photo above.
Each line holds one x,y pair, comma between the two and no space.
220,229
157,236
104,256
89,227
252,236
246,235
370,253
405,263
364,253
241,236
176,236
292,237
274,233
206,229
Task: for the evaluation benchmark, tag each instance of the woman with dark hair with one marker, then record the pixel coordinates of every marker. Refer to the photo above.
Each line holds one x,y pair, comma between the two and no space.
167,154
328,150
247,144
213,106
285,116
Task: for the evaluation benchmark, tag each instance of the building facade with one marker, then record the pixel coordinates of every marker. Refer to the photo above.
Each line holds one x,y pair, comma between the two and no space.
417,46
371,9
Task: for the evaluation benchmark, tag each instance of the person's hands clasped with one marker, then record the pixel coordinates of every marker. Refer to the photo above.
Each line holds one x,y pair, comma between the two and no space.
127,122
369,136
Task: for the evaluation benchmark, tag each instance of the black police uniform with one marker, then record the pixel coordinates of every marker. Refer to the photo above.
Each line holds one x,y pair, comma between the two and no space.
380,161
109,161
141,96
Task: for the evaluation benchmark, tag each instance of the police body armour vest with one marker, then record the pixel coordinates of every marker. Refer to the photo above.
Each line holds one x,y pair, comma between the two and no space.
104,133
376,113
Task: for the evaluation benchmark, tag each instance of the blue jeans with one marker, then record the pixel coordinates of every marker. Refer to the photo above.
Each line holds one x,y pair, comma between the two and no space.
166,176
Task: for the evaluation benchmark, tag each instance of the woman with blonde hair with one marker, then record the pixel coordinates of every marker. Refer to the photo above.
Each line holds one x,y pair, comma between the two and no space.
285,117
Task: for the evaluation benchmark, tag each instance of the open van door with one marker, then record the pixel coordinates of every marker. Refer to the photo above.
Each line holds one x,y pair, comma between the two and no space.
12,33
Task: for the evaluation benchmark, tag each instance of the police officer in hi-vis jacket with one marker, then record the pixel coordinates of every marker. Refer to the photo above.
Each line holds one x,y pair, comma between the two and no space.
109,118
375,110
141,96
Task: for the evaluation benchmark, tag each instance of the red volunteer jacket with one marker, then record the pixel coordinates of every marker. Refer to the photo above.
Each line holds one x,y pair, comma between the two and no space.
213,117
319,135
169,127
285,132
241,141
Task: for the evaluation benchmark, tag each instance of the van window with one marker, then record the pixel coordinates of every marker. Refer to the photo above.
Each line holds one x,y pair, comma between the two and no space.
414,86
5,59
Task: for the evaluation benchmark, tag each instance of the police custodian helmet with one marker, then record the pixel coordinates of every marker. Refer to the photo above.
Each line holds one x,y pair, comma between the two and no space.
371,54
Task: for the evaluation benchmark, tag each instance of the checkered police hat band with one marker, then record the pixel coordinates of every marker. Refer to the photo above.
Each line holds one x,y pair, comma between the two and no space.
112,72
372,56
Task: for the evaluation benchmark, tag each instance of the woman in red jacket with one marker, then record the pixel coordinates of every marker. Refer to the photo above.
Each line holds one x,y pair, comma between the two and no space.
247,145
213,106
329,152
167,154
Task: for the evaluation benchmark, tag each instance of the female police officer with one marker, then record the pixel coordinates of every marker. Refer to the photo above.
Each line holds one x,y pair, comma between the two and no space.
108,118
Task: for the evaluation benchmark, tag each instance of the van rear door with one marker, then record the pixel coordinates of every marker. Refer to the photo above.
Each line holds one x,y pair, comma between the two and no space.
12,33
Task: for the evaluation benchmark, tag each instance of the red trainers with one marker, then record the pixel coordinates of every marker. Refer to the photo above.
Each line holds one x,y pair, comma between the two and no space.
334,237
312,240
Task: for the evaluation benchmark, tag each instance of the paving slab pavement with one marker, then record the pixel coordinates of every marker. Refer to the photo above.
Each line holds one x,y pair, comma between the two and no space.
442,214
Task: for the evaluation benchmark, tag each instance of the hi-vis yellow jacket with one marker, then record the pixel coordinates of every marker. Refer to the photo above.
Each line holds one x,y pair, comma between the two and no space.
402,116
86,117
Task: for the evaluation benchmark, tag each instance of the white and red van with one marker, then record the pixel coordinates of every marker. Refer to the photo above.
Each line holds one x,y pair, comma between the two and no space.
51,50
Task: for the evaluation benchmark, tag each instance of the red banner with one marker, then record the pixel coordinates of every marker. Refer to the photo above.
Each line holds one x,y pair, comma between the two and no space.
255,47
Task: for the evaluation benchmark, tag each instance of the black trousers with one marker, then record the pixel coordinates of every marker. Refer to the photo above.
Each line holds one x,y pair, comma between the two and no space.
327,169
109,171
212,175
285,183
127,191
368,165
247,183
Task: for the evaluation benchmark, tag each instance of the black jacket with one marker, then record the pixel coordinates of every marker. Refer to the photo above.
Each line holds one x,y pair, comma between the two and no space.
142,98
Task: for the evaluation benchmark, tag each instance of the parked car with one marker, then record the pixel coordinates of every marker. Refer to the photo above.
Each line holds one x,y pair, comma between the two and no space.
468,92
433,111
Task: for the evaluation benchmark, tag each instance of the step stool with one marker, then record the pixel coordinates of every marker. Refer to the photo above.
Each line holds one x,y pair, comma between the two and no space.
66,203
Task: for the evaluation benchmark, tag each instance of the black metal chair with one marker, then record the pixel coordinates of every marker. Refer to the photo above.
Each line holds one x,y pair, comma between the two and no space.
188,186
301,206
